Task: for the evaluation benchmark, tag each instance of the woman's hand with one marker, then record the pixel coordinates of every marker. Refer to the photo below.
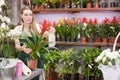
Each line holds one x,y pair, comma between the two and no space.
26,50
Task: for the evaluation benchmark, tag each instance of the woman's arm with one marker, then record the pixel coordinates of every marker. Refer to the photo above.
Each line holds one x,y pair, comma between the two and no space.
21,48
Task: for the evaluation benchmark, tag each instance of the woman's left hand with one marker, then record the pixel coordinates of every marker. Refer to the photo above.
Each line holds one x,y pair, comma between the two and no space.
27,50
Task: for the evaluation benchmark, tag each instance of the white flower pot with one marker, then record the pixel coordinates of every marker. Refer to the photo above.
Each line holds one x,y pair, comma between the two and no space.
110,72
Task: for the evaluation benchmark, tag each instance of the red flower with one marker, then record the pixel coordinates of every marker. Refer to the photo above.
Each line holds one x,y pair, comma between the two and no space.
84,19
105,21
95,21
114,19
45,25
90,22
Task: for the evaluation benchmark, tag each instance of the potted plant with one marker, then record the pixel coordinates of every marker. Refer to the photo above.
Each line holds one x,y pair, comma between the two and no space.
108,63
37,44
96,4
37,3
84,29
90,69
68,64
50,59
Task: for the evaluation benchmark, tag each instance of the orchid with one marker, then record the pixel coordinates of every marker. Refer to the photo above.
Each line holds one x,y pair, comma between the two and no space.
6,34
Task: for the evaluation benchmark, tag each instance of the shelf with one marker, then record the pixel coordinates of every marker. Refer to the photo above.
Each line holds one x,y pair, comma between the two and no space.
87,44
75,9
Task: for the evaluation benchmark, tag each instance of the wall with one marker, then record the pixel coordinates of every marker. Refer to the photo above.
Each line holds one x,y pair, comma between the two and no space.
100,15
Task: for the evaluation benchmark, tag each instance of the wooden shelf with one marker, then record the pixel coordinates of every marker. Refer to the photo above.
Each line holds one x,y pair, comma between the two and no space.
75,9
87,44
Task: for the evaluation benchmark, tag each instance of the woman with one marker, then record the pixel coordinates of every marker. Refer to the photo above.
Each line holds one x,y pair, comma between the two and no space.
28,23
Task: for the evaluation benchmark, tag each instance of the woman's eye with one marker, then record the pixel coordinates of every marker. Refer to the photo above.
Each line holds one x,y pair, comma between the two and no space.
28,14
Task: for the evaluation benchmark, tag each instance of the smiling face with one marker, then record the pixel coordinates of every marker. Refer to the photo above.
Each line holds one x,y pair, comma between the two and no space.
27,16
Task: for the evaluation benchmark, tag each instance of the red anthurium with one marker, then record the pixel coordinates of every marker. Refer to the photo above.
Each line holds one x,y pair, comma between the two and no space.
84,19
105,21
114,19
95,21
90,22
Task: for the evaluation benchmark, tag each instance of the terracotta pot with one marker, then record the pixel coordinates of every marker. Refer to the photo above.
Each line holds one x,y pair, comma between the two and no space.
32,63
111,39
83,40
49,78
97,39
89,5
36,7
96,5
105,40
41,6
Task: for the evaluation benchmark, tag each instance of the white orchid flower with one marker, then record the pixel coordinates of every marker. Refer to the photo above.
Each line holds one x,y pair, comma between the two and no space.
3,25
119,51
2,2
1,16
0,9
14,33
7,19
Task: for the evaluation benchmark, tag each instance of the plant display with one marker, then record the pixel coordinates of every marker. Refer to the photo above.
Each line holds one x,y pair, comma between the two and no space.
36,43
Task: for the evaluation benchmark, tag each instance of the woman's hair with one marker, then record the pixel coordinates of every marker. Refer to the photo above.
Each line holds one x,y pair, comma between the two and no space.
32,24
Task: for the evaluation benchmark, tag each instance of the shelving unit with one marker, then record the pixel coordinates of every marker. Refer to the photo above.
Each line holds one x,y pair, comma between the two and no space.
87,44
78,10
75,10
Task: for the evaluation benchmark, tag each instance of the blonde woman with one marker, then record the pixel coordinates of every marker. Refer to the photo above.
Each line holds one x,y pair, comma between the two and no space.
28,23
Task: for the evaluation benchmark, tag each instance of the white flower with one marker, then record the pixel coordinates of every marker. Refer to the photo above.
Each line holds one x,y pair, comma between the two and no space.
4,26
0,9
2,2
84,25
107,56
98,59
1,16
5,19
104,59
89,66
14,33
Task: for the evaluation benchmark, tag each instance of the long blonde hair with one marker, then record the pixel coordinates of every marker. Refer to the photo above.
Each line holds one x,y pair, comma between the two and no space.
32,24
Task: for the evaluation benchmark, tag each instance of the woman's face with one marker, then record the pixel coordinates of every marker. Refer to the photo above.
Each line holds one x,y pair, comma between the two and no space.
27,16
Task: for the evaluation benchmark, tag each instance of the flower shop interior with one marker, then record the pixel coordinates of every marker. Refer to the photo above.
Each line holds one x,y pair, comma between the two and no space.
85,45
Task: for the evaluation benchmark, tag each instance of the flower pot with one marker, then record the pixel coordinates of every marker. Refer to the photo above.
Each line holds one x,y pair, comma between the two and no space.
97,39
89,5
96,5
104,40
110,72
83,40
111,39
32,63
